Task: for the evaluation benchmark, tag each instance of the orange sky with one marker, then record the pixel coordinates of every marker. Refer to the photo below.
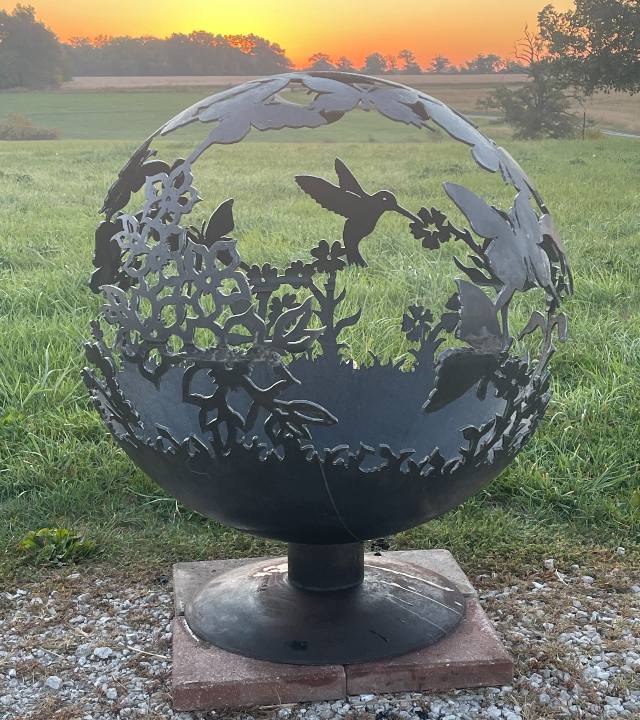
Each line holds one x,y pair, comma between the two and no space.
459,29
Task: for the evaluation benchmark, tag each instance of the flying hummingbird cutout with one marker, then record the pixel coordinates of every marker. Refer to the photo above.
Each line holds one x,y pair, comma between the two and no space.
361,210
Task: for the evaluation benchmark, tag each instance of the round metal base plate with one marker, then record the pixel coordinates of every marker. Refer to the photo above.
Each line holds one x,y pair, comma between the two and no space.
254,611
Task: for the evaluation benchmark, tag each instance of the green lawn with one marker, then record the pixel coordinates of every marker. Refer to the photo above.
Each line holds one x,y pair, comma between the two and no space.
132,115
574,489
102,115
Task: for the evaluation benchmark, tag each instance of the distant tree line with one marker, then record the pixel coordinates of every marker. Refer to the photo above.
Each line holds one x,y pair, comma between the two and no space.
198,53
405,62
593,46
32,56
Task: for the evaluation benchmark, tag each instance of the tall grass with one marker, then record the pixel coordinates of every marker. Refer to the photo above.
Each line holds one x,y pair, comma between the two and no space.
574,487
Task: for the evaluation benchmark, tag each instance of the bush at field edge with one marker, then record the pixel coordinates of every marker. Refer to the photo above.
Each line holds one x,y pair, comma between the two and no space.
19,127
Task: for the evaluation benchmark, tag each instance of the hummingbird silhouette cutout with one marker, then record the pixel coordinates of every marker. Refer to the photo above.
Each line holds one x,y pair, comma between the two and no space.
362,211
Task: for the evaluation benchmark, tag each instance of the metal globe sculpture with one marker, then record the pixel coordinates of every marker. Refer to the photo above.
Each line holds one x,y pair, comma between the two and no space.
229,385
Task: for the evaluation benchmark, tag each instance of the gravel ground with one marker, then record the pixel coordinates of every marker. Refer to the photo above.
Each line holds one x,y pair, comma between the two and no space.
94,645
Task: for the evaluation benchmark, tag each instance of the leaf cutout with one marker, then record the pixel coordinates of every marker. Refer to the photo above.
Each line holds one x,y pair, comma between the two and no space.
478,324
220,223
307,411
251,322
117,309
290,331
458,370
475,275
347,322
536,321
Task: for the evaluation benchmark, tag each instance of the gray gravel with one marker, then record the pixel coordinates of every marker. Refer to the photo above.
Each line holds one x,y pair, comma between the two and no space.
98,648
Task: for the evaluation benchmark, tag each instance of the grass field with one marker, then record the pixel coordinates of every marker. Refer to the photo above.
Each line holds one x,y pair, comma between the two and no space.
116,115
573,492
129,107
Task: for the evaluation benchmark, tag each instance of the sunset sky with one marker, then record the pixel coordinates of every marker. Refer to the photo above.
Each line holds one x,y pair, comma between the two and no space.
459,29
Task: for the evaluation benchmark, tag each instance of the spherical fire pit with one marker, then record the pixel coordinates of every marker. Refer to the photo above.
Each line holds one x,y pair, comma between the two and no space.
229,385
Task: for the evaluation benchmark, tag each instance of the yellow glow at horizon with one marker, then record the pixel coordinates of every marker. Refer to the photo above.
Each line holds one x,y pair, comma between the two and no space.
459,29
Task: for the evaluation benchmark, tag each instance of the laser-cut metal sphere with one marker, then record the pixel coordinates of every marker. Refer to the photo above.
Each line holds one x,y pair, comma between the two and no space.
267,426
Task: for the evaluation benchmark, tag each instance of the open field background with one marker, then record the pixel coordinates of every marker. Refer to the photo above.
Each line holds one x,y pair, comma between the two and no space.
145,81
574,492
107,98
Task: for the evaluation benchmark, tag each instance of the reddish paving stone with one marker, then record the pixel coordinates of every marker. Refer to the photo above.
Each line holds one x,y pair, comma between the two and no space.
472,656
208,678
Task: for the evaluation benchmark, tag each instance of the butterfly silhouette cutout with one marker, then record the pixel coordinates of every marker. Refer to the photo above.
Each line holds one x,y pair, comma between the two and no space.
219,225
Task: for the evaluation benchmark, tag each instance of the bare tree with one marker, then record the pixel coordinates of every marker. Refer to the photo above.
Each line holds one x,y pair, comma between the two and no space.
529,49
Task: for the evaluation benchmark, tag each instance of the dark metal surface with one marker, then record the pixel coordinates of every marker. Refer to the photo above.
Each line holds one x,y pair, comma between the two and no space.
224,379
231,386
325,568
398,608
209,384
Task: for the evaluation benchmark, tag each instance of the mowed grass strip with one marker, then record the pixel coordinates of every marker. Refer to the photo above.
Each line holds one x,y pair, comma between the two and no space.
575,487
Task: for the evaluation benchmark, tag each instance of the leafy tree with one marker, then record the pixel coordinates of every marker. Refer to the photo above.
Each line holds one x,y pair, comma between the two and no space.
441,64
265,56
595,46
345,65
392,64
540,108
30,54
409,62
321,61
483,64
198,53
514,67
375,64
